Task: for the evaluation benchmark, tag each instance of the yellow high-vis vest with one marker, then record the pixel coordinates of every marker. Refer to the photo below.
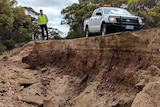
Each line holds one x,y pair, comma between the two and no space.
42,19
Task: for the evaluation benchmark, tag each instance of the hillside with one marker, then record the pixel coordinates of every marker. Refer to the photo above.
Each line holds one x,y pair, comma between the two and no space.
116,70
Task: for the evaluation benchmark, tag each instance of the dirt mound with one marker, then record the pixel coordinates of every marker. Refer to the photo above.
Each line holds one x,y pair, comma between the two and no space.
149,97
116,70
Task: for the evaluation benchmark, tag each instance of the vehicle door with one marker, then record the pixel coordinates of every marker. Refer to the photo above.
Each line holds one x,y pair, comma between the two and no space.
98,19
92,21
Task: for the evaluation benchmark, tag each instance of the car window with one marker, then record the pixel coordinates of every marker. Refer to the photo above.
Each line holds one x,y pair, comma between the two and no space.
116,11
94,13
100,11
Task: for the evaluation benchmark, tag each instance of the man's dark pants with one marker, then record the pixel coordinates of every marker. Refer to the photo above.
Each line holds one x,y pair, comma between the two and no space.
42,29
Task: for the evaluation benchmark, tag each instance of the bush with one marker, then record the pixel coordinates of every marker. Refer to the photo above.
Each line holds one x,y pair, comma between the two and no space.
9,43
72,35
2,48
25,38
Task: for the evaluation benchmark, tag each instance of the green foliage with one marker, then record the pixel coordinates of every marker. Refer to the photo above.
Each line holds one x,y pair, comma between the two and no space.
132,2
3,48
57,37
31,11
6,18
9,43
75,14
72,35
149,10
154,16
14,23
25,39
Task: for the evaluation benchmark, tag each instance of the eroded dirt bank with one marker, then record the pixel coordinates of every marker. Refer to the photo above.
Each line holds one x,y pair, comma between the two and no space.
116,70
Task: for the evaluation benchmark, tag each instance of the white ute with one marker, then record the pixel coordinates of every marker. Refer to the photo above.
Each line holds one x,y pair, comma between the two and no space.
111,19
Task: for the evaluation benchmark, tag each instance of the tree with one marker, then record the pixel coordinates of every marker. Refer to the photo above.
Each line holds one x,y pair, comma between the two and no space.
149,9
21,25
54,33
6,19
75,14
142,4
153,16
14,23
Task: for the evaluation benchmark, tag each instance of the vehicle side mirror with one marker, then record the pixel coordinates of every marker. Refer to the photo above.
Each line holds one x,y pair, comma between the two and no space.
99,14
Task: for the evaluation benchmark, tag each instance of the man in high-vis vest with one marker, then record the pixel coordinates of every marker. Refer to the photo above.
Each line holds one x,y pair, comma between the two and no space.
43,20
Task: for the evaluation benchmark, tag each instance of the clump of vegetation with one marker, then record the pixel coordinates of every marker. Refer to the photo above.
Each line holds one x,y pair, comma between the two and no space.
72,35
3,48
9,43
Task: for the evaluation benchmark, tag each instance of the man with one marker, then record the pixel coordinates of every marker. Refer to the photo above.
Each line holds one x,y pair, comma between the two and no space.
43,20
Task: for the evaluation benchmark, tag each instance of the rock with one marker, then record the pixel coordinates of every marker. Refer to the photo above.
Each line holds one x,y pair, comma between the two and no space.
140,85
44,70
149,96
2,93
38,100
85,78
24,59
2,105
26,82
5,58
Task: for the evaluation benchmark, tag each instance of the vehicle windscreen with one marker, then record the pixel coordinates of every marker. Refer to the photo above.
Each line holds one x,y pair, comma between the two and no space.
116,11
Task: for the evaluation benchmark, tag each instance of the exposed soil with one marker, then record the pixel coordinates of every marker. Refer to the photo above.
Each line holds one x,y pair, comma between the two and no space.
116,70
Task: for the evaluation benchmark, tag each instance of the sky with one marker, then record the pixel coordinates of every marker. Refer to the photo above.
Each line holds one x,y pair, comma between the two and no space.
52,8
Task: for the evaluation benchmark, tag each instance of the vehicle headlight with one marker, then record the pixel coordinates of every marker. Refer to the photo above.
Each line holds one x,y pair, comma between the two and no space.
140,21
112,19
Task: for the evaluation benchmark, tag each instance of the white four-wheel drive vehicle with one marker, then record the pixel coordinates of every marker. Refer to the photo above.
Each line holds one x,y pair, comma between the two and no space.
111,19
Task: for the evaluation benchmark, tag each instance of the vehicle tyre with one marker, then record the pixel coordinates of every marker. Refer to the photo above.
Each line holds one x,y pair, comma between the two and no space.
87,33
103,29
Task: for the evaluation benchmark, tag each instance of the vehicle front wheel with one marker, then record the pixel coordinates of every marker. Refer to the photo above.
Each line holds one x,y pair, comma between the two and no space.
87,33
103,29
